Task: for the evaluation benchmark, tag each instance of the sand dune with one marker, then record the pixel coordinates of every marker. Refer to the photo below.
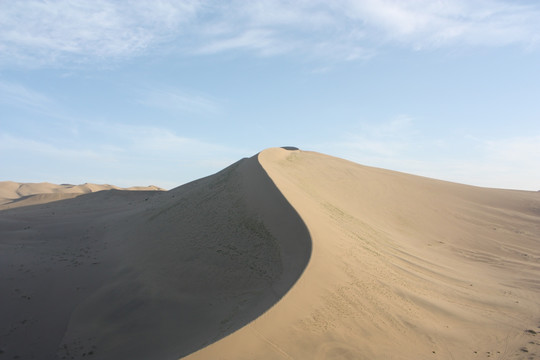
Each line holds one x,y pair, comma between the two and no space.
146,275
286,255
19,194
403,267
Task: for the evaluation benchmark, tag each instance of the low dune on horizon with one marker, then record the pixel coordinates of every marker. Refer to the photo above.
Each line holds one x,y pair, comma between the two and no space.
289,254
14,194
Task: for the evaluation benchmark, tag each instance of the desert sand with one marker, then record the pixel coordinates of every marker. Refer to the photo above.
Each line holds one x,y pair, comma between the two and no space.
285,255
15,194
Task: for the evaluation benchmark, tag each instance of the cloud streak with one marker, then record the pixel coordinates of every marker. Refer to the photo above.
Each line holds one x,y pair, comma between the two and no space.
39,33
170,159
428,24
384,142
504,162
18,95
10,144
171,99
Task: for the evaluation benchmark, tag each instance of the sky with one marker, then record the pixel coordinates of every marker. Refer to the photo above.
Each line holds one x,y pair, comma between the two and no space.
165,92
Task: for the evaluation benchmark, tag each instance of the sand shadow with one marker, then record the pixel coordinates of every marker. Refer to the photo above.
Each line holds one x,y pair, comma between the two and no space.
169,272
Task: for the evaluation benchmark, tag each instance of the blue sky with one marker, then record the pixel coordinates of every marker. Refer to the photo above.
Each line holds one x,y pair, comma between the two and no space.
165,92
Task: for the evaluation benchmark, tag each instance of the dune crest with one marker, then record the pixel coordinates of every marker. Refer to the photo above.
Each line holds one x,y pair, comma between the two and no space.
402,267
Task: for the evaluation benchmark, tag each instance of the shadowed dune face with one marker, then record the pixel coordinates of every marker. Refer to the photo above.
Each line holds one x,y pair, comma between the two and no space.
53,255
173,272
402,267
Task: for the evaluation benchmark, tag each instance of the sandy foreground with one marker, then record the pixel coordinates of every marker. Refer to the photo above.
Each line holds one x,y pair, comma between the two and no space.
286,255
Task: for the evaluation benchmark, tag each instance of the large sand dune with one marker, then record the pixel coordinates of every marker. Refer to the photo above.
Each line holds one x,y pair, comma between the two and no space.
402,267
146,275
286,255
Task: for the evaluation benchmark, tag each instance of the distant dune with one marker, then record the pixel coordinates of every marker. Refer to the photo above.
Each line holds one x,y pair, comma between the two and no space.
286,255
32,193
146,274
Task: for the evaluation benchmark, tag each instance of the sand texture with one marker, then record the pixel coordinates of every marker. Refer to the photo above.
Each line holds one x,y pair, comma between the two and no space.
402,267
146,275
286,255
14,194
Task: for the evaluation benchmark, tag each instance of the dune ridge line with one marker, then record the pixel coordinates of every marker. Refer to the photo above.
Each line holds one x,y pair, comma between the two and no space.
402,267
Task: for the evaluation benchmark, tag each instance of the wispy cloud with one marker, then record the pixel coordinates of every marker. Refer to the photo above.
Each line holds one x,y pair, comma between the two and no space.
516,149
398,144
503,163
44,33
379,142
15,94
54,31
142,141
425,23
265,42
123,154
168,98
511,162
10,144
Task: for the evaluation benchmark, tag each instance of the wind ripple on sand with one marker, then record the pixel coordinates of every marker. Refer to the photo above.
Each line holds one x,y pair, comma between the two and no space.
402,267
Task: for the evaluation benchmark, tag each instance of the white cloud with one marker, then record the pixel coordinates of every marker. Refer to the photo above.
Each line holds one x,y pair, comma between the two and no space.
425,23
10,144
381,141
524,150
53,31
167,144
510,162
176,99
264,42
141,141
44,33
485,167
18,95
398,145
125,155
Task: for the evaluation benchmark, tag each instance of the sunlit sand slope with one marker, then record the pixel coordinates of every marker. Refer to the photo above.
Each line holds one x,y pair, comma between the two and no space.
402,267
